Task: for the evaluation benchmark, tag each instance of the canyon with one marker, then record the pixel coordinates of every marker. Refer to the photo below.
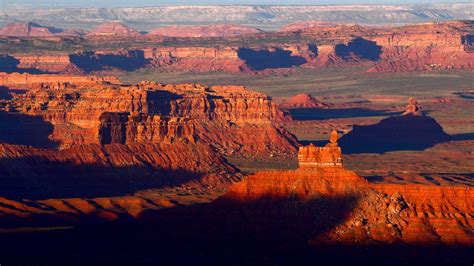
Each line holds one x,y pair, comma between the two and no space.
220,143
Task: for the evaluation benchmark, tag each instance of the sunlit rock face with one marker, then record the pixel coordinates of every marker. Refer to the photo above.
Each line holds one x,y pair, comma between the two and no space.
233,120
316,157
326,203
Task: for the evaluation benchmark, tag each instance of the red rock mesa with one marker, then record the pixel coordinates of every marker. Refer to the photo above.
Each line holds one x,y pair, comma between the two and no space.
231,119
303,100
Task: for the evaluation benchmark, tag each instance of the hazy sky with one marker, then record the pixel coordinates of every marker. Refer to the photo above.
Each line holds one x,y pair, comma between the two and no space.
119,3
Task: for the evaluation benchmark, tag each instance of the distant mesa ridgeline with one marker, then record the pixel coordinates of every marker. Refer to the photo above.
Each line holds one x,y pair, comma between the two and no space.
267,16
31,29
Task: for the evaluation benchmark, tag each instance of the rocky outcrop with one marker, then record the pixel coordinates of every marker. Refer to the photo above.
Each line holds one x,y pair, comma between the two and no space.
229,118
215,30
410,131
320,157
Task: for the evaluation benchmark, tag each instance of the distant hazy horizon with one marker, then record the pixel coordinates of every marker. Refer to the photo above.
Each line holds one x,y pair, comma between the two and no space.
13,4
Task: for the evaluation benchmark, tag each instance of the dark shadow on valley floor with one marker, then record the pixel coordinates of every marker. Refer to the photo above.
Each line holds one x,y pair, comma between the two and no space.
464,136
269,59
394,133
27,130
10,64
324,114
35,178
90,61
359,48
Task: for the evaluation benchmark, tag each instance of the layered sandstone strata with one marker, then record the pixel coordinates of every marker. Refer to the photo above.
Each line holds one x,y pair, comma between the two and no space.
430,46
199,59
316,157
53,63
229,118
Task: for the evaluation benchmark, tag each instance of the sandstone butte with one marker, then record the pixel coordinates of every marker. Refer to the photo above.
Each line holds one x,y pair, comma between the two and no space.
231,119
303,100
216,30
418,47
340,207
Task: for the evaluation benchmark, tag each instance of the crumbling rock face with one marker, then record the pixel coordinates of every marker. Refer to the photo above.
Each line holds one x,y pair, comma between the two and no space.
141,128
